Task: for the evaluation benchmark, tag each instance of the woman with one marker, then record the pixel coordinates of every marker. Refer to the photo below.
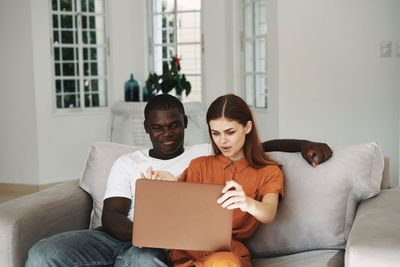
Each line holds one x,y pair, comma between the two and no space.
252,181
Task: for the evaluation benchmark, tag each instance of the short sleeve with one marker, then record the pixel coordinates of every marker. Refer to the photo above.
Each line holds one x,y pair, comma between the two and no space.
273,182
120,179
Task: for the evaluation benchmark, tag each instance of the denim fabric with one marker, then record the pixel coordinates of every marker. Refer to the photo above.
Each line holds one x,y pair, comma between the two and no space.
92,248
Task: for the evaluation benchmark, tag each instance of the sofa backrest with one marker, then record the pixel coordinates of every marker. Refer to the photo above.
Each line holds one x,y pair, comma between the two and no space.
319,206
100,159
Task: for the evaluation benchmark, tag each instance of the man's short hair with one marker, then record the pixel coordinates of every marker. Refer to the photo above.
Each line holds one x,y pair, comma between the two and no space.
163,102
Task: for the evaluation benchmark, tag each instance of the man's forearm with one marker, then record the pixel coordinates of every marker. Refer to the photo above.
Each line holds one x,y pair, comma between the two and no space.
285,145
118,226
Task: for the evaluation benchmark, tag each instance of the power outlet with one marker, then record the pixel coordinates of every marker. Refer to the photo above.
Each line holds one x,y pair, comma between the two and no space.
386,48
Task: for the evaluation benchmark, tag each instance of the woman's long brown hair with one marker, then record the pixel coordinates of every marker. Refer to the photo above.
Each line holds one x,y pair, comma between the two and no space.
235,108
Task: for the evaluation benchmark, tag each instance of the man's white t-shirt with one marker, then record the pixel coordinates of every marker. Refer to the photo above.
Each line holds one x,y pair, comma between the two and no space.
128,167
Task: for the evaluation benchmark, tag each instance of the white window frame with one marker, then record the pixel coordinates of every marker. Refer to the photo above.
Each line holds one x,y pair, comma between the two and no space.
255,89
102,60
175,44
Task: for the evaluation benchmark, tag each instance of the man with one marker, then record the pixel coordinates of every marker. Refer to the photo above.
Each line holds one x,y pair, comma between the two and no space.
165,122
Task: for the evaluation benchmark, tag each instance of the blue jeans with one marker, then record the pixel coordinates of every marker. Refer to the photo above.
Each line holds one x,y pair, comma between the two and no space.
92,248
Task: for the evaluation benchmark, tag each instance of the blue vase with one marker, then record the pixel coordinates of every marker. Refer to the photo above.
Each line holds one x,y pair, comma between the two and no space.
131,90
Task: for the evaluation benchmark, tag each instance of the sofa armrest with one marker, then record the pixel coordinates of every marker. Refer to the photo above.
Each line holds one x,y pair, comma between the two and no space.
374,239
26,220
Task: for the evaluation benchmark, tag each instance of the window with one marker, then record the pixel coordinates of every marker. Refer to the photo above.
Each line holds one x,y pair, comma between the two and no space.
254,43
176,31
79,53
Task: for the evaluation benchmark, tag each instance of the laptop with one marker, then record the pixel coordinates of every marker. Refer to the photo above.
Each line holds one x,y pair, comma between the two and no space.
180,215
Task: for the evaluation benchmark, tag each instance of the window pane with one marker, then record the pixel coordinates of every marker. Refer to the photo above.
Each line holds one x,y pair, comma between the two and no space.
261,91
56,38
248,21
93,22
248,54
94,85
92,7
68,69
54,5
56,53
249,87
86,69
163,6
55,21
85,37
195,94
84,5
163,29
188,5
70,101
190,59
99,97
57,69
86,85
95,100
68,53
59,102
88,100
66,22
58,86
85,22
93,39
70,86
260,55
67,37
188,25
93,69
168,52
260,17
65,5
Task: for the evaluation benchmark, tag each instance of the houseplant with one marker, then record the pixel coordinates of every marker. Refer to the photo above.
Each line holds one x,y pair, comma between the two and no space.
170,79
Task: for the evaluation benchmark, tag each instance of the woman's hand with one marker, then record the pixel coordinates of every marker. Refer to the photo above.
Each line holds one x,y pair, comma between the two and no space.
234,197
158,175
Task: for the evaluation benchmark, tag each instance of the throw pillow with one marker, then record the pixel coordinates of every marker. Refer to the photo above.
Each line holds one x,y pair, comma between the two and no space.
102,156
319,206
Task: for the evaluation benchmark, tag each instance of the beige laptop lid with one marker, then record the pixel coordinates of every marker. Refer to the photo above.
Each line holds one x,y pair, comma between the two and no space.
179,215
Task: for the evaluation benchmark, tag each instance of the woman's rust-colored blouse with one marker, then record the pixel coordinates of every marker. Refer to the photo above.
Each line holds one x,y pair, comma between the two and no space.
218,169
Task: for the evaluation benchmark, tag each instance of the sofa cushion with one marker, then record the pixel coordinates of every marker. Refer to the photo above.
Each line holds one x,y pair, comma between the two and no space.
94,179
315,258
319,206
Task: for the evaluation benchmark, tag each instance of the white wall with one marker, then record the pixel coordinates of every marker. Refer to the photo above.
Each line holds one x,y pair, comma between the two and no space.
327,81
222,57
18,153
62,139
128,43
333,84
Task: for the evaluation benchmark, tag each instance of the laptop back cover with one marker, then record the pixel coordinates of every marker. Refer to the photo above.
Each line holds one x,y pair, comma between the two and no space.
179,215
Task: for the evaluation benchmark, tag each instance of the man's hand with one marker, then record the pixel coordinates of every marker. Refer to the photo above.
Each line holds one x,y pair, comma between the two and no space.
315,153
158,175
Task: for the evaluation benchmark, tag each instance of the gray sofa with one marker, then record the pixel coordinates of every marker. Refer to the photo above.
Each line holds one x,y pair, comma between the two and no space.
332,215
